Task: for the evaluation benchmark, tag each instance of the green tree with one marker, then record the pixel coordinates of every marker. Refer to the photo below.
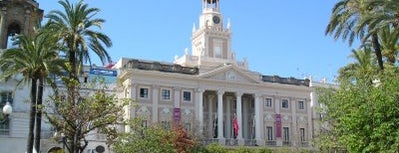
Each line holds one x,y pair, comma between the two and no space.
75,27
92,109
363,117
345,23
144,139
35,59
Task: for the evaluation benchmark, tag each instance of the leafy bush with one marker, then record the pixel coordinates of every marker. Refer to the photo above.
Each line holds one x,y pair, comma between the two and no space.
216,148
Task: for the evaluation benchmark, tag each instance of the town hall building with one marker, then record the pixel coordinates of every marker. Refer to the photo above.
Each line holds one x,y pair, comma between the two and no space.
211,92
207,91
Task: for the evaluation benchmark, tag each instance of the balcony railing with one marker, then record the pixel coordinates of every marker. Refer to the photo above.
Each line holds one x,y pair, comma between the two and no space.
231,142
4,132
271,143
250,142
286,143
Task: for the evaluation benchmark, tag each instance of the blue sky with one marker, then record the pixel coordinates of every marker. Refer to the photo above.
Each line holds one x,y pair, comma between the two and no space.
284,38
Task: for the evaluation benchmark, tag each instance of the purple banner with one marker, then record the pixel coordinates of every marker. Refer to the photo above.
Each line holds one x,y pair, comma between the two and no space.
176,115
278,125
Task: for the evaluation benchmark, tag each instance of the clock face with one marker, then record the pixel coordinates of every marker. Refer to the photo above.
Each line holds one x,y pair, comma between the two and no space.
216,19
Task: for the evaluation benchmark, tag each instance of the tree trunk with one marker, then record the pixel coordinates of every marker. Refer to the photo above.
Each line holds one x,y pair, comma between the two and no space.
72,61
39,115
377,50
32,115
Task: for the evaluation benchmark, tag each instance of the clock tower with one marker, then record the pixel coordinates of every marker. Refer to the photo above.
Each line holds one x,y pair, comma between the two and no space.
211,42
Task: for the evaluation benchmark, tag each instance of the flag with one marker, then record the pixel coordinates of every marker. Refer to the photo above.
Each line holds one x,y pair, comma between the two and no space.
236,127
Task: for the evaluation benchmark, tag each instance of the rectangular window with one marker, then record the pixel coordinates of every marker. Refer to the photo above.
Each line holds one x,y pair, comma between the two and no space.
284,103
268,102
301,104
143,92
165,94
302,134
269,133
286,134
5,122
187,96
187,126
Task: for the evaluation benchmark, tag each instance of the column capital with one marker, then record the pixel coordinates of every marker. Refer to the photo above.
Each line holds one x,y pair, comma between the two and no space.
239,93
220,92
257,95
200,90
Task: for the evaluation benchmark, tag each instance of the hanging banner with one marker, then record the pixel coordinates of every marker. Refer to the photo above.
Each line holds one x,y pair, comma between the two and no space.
278,125
176,115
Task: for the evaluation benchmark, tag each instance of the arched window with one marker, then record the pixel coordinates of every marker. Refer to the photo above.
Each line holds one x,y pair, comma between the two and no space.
12,31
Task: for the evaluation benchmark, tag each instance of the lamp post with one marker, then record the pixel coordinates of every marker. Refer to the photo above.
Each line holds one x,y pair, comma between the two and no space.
7,110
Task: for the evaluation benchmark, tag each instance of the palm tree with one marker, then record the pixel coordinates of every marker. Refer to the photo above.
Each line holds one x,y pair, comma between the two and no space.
384,14
345,22
364,65
74,29
389,38
35,58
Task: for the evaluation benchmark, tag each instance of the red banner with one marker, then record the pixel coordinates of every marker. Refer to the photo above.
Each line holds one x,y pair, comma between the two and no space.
176,115
278,125
236,127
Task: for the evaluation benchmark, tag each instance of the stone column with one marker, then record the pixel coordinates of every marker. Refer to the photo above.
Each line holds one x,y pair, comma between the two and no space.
200,94
155,93
228,125
220,117
3,28
239,118
258,137
27,22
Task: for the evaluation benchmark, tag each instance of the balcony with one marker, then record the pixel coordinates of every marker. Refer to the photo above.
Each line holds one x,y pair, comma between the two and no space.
271,143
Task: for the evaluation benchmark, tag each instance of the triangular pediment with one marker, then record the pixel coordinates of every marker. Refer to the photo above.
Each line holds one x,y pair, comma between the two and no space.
231,73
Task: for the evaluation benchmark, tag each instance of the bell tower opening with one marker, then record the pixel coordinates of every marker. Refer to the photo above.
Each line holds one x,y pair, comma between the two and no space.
12,31
210,5
17,17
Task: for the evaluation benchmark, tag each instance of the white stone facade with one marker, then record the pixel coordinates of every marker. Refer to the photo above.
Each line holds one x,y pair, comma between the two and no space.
203,91
220,88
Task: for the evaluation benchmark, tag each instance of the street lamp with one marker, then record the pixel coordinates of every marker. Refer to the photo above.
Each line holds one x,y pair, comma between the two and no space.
7,110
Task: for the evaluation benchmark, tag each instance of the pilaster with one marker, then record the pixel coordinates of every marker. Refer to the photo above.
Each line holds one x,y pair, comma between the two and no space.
200,95
258,136
220,117
155,100
239,117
